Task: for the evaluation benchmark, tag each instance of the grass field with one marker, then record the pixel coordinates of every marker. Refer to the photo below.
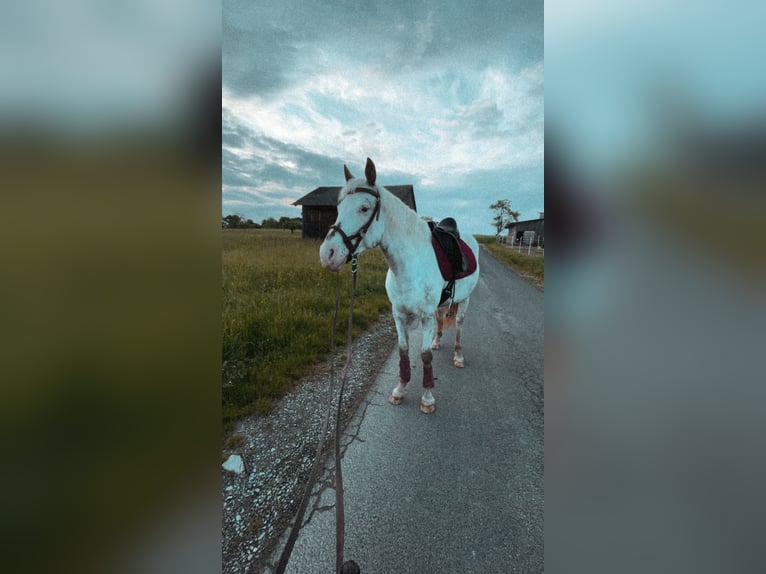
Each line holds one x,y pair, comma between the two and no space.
532,267
277,313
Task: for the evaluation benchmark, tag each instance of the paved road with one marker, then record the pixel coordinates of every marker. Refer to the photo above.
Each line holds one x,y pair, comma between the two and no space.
460,490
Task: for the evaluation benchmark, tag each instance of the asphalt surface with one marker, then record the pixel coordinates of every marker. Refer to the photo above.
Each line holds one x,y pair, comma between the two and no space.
460,490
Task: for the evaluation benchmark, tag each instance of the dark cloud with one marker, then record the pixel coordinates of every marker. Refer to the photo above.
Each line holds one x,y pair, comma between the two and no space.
250,160
482,118
233,135
256,60
265,47
478,28
468,199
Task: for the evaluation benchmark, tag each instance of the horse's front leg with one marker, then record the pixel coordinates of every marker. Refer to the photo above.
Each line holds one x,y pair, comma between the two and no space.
397,395
427,401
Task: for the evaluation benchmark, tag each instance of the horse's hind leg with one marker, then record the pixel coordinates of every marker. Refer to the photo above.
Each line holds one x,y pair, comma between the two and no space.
397,395
458,360
436,344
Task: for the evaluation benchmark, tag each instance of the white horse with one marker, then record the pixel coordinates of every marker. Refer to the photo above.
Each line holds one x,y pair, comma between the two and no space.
369,216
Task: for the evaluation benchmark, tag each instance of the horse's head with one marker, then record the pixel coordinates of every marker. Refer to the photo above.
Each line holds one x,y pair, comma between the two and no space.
358,226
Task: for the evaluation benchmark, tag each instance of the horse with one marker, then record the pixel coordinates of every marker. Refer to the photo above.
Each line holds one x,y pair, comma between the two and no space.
370,216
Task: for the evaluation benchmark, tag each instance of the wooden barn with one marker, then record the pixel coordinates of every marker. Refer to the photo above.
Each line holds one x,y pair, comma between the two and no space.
516,230
320,207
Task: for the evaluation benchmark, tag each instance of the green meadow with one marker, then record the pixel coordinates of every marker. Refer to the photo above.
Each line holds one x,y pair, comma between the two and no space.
277,312
531,267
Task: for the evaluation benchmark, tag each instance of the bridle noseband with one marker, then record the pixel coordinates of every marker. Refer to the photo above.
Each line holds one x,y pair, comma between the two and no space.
352,241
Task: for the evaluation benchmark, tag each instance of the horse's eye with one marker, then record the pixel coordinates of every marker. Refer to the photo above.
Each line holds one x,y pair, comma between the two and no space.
365,209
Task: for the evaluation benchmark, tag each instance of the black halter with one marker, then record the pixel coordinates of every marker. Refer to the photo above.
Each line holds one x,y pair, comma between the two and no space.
352,241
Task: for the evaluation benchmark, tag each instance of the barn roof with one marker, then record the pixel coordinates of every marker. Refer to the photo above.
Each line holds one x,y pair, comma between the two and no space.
328,196
513,223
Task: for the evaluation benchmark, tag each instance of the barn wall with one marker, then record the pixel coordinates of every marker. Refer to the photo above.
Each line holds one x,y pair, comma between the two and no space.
317,221
517,229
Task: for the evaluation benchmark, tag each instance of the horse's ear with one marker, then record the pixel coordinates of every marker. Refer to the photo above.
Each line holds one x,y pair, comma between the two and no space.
369,172
347,173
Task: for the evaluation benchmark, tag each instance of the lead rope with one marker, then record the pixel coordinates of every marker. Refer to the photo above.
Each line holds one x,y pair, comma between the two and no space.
349,567
340,516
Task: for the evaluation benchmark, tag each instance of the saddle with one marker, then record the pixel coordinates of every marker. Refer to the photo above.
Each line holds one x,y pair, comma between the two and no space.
455,258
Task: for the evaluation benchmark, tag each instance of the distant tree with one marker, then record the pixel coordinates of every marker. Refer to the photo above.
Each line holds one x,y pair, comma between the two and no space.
290,223
238,221
283,222
503,214
233,220
294,223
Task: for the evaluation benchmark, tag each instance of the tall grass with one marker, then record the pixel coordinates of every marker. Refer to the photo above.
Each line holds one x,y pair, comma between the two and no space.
531,267
277,312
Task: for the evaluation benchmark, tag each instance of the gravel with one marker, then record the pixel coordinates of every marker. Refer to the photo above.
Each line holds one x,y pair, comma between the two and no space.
278,452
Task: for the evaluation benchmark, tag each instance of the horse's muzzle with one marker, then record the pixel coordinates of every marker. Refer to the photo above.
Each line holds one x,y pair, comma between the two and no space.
332,256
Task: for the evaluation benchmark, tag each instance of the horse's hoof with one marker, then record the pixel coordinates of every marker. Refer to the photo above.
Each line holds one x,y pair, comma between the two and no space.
427,409
395,400
436,346
458,363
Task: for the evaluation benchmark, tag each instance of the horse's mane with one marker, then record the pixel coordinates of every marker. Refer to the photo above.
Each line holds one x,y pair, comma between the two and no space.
402,220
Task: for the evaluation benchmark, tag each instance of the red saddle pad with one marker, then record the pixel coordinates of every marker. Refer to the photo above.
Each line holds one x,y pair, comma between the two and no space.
444,263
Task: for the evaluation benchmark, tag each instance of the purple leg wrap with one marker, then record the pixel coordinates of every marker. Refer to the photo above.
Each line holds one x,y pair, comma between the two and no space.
404,367
428,376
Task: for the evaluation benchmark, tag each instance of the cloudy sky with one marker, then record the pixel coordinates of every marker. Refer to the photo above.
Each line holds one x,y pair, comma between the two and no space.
447,96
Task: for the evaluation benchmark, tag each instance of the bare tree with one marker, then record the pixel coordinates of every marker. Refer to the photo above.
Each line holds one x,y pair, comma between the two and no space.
503,214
